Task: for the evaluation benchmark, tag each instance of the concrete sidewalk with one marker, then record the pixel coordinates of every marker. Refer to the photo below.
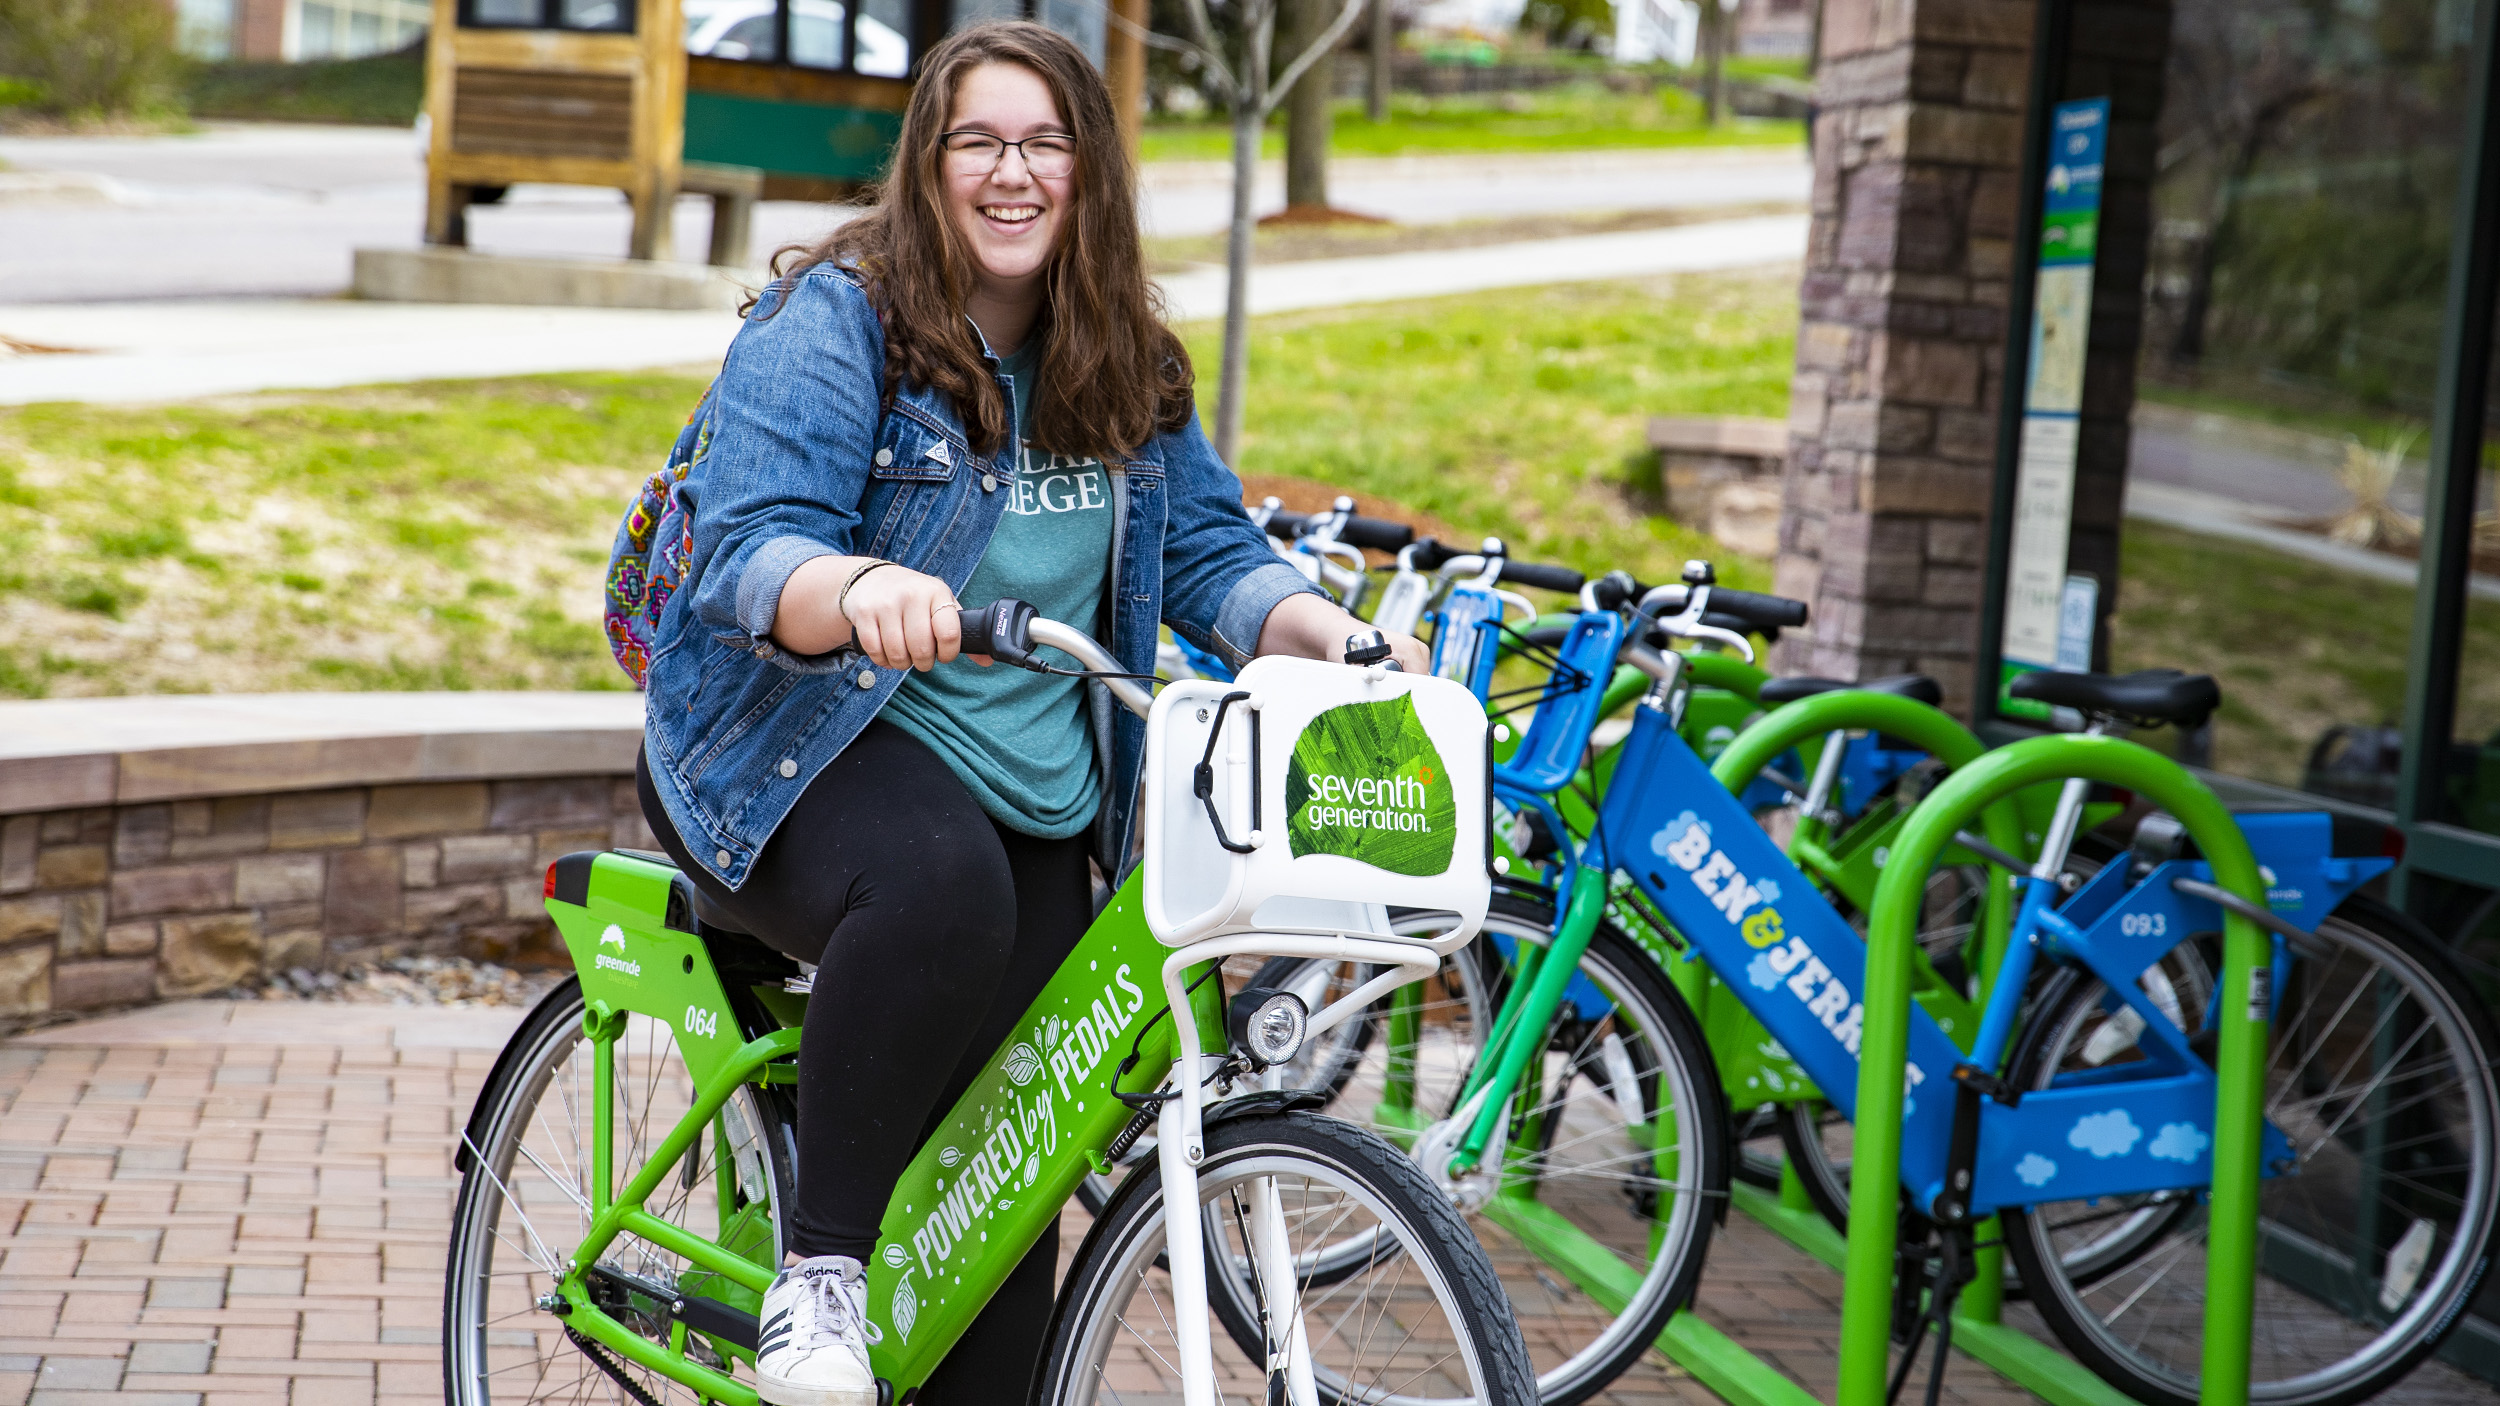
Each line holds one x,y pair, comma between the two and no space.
174,350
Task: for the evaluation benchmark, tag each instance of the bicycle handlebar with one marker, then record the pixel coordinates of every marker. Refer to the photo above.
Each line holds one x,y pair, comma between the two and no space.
1379,534
1757,609
1009,630
1431,555
1544,578
1003,630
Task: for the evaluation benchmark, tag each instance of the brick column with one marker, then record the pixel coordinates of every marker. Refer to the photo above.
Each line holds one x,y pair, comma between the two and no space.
1917,151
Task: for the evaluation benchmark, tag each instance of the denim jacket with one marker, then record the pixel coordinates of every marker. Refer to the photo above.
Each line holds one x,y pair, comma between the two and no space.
796,460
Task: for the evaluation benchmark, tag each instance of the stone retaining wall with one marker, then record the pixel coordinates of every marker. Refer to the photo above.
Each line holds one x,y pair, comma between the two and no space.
117,905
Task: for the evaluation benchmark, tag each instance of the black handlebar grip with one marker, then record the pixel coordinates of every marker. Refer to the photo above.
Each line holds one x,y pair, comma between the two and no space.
1003,630
1287,525
1379,534
1739,625
1756,608
1544,578
1616,588
1429,554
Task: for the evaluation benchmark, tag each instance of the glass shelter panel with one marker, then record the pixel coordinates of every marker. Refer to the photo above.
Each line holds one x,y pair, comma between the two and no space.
2469,791
2303,195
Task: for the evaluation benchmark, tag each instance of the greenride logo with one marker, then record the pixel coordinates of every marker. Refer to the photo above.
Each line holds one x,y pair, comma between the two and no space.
1366,783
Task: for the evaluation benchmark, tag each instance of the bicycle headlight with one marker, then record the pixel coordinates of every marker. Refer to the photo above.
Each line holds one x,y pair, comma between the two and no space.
1267,1025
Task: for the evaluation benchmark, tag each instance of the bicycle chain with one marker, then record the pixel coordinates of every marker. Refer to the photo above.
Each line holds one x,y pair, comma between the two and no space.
600,1358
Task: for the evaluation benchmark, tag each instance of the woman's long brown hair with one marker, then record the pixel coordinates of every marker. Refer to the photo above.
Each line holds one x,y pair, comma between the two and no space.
1112,374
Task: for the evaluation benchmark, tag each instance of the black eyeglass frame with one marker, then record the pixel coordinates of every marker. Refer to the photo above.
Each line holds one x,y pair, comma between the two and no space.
1005,145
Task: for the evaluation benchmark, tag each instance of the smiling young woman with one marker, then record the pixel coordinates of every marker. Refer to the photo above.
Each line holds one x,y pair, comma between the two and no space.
966,393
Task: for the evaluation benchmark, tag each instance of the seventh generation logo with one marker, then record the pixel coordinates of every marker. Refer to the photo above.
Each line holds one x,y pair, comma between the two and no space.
1779,959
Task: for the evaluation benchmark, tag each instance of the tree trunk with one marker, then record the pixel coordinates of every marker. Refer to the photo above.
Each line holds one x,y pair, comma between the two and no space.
1235,377
1306,107
1384,49
1713,43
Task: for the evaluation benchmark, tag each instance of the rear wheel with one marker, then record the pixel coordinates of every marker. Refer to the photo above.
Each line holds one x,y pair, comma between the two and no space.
2369,1247
524,1203
1423,1320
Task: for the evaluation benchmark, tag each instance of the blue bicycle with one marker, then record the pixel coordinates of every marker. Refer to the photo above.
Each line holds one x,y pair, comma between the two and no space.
1564,1097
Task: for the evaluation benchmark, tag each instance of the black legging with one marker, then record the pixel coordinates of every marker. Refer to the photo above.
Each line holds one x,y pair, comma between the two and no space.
917,910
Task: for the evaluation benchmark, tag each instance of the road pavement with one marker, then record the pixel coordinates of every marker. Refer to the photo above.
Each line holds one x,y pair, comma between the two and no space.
166,350
266,210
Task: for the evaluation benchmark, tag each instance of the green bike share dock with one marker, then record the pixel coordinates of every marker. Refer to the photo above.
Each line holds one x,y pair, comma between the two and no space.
1980,792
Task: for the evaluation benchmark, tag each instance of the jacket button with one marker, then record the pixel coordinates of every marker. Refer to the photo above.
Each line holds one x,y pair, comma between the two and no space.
884,457
989,483
789,767
763,651
867,678
721,858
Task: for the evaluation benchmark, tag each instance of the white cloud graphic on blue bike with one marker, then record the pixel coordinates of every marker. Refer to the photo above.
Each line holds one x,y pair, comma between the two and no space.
2180,1142
2111,1134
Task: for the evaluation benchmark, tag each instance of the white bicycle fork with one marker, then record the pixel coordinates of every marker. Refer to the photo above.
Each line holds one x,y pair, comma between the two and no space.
1180,1147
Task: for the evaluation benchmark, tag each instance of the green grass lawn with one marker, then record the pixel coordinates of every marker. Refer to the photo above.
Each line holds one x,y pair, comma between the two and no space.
384,89
429,536
1522,412
1579,117
2297,646
453,535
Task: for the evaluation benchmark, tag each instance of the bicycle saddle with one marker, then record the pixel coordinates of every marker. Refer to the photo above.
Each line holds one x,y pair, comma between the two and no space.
2145,697
710,914
1916,687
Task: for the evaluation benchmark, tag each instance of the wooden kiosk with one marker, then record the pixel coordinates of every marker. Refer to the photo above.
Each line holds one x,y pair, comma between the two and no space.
571,92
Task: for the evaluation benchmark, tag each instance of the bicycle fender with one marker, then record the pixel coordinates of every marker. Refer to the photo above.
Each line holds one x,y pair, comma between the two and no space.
1264,1103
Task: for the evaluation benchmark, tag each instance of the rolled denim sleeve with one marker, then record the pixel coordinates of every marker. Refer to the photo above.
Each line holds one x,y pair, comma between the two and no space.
795,416
1220,577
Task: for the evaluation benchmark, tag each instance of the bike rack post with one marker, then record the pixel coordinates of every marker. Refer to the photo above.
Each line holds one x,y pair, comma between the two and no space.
1941,737
1883,1056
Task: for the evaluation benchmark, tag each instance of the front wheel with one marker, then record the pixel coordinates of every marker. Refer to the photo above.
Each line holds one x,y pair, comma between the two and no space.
1424,1321
2369,1246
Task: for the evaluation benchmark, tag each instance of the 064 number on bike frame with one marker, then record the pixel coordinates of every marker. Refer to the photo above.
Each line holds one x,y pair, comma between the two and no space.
982,1191
1728,889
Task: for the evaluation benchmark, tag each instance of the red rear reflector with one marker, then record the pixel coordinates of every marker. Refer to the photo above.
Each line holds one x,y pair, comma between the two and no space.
2391,843
551,882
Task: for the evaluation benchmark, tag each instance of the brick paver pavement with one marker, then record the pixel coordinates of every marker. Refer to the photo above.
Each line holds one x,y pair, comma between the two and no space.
219,1204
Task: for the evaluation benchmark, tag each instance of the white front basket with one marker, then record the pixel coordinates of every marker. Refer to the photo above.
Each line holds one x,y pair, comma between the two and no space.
1330,793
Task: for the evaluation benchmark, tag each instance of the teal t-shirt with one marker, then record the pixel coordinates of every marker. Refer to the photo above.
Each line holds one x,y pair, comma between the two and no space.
1019,741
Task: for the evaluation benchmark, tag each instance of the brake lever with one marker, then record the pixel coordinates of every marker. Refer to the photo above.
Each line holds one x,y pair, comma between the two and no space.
1686,624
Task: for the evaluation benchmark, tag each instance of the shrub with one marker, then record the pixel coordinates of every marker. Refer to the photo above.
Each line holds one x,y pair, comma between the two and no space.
91,57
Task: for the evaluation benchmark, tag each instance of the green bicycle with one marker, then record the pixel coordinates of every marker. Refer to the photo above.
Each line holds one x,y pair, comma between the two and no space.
624,1171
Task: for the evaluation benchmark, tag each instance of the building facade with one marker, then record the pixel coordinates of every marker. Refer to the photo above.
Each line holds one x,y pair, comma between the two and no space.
290,31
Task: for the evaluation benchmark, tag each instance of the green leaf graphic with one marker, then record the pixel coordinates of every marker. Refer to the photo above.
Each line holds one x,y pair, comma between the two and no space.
1366,783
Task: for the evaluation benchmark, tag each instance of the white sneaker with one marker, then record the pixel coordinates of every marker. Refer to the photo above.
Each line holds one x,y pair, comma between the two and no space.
813,1346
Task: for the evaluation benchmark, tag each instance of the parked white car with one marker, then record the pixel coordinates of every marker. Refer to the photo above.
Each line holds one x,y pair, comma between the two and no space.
743,29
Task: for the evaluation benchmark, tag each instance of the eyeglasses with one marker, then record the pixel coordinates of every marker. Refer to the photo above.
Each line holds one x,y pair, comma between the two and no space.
1049,156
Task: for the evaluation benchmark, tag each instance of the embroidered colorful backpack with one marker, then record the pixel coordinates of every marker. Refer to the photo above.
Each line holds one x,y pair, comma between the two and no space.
654,547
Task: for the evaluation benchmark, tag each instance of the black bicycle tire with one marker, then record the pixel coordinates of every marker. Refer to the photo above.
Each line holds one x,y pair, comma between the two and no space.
2418,945
558,1012
1682,1038
1394,1178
